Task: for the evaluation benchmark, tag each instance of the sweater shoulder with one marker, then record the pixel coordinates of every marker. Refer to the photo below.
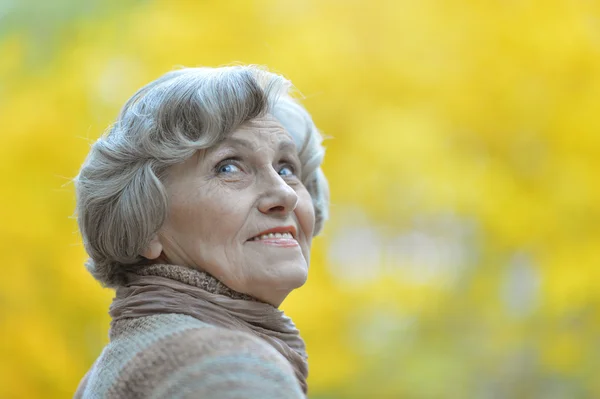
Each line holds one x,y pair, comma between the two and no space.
127,338
209,363
176,355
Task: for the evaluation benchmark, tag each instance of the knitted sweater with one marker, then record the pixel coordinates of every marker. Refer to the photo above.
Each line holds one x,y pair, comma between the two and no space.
177,356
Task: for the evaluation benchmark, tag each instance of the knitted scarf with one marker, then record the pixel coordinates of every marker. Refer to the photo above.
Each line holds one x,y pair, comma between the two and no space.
155,289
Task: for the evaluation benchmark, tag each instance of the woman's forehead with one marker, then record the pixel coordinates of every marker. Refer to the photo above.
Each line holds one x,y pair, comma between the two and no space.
258,133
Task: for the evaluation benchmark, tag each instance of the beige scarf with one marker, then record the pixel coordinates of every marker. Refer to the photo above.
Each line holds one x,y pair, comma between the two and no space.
155,289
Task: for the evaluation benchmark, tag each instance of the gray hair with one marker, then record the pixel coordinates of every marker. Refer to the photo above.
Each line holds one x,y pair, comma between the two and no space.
121,200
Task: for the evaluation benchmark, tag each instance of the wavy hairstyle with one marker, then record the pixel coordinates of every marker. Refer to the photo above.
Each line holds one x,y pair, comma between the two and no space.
121,200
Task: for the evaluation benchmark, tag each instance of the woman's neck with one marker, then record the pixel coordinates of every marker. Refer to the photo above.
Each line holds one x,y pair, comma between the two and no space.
193,277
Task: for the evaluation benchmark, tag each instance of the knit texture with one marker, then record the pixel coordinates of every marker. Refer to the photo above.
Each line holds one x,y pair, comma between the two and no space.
178,356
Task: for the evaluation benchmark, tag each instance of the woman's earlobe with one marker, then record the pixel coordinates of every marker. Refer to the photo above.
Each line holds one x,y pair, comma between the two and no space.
154,248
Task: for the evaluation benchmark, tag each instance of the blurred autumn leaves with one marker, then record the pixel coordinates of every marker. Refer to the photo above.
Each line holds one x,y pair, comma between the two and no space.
461,259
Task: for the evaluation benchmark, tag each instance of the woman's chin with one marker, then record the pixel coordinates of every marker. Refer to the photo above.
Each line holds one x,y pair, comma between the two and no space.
274,288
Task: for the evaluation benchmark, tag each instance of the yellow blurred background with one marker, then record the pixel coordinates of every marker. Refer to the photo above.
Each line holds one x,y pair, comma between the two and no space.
462,258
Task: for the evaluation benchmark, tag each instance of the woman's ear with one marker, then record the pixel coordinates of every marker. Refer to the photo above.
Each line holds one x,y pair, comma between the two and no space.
154,248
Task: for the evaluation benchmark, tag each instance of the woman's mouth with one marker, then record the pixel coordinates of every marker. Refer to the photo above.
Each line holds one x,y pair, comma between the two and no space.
285,239
271,236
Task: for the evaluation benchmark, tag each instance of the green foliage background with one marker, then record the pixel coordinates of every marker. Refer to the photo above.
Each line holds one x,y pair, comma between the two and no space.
462,257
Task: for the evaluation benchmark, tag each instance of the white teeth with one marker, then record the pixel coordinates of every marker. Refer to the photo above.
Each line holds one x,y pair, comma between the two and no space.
272,235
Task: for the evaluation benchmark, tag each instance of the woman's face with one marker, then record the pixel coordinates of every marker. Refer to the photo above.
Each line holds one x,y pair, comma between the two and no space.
224,202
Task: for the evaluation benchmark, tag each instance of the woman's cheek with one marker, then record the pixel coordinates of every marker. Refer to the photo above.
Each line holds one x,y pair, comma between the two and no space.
308,218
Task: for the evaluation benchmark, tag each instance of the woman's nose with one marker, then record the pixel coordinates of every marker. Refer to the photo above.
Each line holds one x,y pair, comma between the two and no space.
277,196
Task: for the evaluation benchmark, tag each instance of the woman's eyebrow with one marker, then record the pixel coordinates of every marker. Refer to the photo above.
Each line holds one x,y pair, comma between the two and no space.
287,145
237,142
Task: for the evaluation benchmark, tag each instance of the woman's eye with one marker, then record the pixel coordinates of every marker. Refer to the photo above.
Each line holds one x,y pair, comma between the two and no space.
228,168
286,170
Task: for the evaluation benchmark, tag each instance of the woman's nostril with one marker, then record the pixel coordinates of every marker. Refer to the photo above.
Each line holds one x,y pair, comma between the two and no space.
278,208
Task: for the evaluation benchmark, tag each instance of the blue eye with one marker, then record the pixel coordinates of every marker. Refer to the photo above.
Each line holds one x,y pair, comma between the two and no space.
286,171
228,168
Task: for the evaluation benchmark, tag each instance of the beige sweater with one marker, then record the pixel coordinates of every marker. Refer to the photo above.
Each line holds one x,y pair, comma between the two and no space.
178,356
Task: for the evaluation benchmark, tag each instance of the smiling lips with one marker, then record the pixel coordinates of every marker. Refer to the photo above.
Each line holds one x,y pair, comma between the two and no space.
279,236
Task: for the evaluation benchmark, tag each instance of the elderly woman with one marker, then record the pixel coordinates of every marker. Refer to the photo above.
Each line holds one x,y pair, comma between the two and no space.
198,207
